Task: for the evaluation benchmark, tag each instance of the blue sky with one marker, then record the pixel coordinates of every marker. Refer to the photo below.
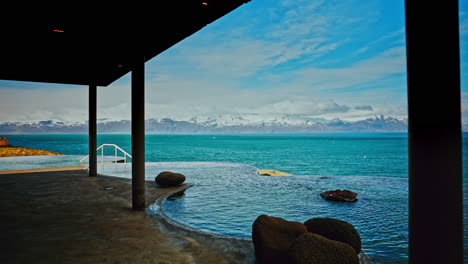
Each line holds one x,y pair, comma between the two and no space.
308,59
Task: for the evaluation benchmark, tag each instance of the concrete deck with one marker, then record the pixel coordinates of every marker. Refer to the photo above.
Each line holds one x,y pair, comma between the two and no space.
67,217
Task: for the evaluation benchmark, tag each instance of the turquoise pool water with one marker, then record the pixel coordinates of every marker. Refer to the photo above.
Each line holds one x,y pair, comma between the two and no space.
227,197
36,162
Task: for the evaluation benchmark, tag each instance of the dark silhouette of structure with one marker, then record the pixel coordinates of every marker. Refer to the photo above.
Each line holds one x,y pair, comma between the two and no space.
91,46
435,136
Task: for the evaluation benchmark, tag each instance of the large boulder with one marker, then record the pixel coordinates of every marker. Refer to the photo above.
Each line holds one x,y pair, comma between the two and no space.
335,229
272,237
340,196
167,178
311,248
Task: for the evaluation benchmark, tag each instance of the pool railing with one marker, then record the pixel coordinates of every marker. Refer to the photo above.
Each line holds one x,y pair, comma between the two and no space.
116,149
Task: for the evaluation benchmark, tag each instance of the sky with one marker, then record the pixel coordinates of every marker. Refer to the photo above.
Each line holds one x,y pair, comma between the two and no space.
307,59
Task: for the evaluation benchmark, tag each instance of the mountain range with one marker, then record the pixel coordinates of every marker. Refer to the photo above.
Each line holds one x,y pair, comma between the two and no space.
214,125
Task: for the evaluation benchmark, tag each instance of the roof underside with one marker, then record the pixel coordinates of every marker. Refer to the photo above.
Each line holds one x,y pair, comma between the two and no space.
82,45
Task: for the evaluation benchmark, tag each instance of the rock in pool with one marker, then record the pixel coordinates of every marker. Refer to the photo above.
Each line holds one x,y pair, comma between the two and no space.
272,237
340,196
310,248
167,178
335,229
273,173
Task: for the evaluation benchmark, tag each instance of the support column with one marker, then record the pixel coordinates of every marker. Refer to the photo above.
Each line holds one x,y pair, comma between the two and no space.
435,139
92,126
138,136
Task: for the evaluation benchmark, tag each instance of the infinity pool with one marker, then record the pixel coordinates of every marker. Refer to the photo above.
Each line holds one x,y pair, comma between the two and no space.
227,197
45,161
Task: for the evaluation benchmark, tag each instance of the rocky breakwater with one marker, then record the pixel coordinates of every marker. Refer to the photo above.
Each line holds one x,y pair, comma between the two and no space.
318,240
13,151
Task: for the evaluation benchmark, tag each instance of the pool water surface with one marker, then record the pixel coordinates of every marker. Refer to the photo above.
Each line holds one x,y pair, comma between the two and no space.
46,161
227,197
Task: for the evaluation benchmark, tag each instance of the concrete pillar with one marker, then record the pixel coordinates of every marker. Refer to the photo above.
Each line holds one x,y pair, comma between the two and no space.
435,139
92,126
138,136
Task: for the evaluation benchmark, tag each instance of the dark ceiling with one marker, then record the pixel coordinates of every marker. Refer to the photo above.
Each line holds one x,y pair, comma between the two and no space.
77,44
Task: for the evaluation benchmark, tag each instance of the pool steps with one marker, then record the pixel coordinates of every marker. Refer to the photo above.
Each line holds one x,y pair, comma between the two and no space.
116,149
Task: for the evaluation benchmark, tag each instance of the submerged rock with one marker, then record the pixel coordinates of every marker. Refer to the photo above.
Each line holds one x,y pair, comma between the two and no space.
340,196
167,178
273,173
272,237
335,229
310,248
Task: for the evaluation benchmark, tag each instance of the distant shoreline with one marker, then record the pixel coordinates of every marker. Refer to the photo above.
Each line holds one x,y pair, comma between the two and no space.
13,151
225,133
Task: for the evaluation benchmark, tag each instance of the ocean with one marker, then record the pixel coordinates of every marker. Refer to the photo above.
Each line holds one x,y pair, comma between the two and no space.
380,156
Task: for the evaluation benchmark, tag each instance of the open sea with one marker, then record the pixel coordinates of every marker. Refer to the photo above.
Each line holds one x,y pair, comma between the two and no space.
375,164
376,154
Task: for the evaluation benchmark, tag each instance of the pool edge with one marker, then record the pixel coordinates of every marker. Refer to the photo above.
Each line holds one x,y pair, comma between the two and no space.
64,168
160,201
363,258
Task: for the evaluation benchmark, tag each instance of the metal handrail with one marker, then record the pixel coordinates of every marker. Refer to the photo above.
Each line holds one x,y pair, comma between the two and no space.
102,153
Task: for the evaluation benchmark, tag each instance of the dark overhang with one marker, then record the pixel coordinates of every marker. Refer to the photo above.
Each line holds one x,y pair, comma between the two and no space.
85,45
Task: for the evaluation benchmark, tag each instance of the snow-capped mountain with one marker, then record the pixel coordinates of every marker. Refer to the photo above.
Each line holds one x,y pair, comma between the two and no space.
217,124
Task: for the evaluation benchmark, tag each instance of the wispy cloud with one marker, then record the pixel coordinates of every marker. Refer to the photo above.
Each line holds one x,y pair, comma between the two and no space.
302,32
396,37
387,63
